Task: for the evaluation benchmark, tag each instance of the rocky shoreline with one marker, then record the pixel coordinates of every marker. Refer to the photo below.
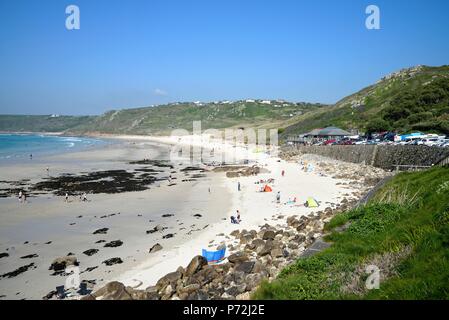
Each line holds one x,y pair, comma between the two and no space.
255,255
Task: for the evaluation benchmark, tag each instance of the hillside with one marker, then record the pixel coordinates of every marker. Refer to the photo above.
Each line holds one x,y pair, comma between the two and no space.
403,230
411,99
41,123
164,118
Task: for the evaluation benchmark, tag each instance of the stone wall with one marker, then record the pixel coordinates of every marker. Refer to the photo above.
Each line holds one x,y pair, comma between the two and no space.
386,157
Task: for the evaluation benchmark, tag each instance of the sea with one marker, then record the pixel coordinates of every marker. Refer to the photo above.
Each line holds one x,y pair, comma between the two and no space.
16,147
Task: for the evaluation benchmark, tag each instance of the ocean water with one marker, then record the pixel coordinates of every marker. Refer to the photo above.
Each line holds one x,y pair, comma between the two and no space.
14,147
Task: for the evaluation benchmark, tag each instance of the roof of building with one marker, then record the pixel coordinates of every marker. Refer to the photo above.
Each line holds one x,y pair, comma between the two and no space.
329,131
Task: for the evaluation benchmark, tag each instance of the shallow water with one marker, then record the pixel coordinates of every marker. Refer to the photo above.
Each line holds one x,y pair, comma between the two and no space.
15,147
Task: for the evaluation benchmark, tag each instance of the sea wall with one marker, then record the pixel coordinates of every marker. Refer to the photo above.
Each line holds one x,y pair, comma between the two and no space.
386,156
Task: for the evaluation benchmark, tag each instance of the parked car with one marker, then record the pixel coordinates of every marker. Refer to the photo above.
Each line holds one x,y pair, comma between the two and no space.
329,142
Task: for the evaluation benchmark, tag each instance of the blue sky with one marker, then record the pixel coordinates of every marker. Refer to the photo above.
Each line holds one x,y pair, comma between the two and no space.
137,53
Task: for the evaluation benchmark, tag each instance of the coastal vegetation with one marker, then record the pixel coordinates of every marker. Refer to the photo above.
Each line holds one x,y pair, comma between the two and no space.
403,231
411,99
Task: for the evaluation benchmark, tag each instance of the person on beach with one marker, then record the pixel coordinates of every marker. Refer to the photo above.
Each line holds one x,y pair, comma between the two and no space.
48,171
283,173
233,220
238,216
31,156
238,186
24,197
84,197
66,197
20,196
278,197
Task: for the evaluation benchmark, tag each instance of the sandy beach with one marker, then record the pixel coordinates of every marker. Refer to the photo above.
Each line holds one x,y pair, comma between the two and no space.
192,213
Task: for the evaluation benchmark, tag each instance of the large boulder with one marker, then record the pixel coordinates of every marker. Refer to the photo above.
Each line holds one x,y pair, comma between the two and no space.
269,235
245,266
170,278
195,265
112,291
238,257
264,250
155,248
206,275
276,252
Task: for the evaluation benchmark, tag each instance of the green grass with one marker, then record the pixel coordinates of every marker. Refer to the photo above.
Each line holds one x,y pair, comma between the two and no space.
412,101
404,230
165,118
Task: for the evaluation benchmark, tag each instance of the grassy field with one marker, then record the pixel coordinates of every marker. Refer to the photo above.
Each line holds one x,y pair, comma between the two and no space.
403,230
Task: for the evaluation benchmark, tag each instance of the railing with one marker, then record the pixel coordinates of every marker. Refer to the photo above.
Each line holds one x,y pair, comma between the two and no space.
444,162
402,167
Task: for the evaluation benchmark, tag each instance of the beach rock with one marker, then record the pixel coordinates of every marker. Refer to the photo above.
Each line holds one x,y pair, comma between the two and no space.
197,215
90,269
90,252
276,252
101,231
265,249
245,266
50,295
113,244
198,295
155,248
243,296
246,238
112,291
253,280
238,257
30,256
167,215
168,236
60,264
206,275
169,278
4,254
195,265
18,271
189,289
235,233
112,261
268,235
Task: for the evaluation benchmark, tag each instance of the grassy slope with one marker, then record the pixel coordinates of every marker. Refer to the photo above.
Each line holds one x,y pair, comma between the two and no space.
41,123
409,89
163,119
404,230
